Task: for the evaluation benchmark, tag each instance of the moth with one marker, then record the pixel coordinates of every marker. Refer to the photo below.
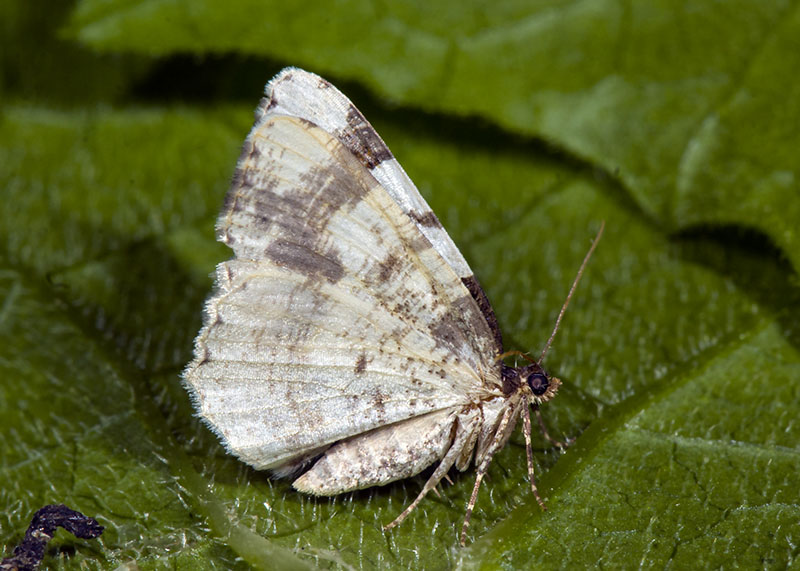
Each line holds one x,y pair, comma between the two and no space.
348,344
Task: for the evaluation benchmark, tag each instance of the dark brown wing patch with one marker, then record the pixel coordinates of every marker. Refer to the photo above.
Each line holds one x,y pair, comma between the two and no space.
477,293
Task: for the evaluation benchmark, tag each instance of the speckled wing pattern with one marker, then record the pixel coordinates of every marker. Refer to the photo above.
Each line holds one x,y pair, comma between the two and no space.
347,317
301,94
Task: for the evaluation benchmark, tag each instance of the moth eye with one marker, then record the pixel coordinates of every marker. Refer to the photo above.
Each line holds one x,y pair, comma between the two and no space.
538,383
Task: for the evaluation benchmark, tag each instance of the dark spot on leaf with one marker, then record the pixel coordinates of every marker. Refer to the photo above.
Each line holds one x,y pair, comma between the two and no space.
28,555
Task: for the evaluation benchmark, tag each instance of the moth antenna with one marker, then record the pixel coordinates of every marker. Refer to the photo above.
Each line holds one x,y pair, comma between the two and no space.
571,291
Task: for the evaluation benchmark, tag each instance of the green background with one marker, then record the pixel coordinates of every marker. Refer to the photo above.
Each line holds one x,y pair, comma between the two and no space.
525,124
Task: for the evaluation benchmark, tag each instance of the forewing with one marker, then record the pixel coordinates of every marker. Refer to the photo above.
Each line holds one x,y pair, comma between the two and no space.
302,94
337,315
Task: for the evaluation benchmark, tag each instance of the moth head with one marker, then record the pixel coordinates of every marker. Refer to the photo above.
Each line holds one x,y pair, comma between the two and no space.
543,387
532,379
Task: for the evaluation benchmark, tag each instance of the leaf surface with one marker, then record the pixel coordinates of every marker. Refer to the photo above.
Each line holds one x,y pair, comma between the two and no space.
679,352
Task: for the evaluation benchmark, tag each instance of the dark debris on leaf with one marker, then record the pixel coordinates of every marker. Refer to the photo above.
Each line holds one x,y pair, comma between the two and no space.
28,554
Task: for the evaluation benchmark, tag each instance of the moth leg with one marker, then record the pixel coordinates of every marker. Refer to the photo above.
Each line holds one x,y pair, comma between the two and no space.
463,437
432,482
526,429
499,440
543,428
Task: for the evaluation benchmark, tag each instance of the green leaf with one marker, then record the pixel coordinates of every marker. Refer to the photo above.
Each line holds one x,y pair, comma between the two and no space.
678,354
101,304
36,63
693,109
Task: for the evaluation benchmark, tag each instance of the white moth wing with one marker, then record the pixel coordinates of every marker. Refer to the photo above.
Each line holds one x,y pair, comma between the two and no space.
299,93
337,316
302,94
